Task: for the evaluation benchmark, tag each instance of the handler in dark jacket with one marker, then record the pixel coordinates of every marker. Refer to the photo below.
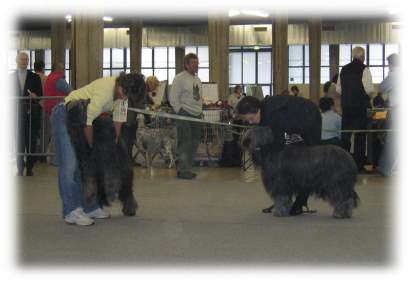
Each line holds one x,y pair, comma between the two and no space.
355,86
27,84
294,119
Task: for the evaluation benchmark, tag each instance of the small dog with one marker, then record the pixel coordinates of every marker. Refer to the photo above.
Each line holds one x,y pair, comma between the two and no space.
153,141
327,171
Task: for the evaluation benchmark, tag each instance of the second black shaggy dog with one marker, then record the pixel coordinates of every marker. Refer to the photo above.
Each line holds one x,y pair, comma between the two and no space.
327,171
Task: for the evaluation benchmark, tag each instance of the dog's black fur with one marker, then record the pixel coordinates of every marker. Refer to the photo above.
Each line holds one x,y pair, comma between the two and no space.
106,168
327,171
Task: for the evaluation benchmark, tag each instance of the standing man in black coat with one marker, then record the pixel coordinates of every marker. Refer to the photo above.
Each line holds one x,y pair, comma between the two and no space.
27,84
355,86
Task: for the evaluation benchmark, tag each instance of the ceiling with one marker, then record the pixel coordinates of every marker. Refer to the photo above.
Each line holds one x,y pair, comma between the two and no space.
30,23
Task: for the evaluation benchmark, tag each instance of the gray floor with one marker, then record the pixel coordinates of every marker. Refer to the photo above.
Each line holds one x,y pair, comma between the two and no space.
212,221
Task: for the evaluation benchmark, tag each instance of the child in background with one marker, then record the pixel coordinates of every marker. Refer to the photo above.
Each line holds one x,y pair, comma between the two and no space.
331,120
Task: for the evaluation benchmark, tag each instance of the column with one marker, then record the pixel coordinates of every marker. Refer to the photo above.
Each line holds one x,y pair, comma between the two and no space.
218,33
314,35
135,43
280,54
58,40
87,49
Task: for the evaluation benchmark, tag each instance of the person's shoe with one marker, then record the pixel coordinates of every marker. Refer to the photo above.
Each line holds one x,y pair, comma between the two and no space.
29,173
185,175
78,217
98,213
20,173
268,209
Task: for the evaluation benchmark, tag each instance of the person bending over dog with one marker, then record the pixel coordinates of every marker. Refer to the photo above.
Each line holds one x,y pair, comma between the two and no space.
295,120
101,95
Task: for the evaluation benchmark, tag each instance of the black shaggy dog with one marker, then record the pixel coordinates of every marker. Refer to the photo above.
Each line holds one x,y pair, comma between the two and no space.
106,168
327,171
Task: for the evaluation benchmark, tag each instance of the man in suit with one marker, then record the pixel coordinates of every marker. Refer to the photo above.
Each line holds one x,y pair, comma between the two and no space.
27,84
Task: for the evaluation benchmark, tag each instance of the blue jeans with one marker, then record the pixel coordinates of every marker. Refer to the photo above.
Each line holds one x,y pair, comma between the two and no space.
69,178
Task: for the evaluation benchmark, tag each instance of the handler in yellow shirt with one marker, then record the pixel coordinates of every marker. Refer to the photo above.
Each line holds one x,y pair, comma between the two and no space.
103,94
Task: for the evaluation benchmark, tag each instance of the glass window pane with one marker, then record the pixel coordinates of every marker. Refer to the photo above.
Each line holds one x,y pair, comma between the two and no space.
375,54
377,74
364,47
295,75
190,49
324,75
116,72
306,55
106,73
325,55
161,74
249,68
389,49
203,54
147,72
264,67
266,90
235,68
161,57
117,58
307,75
128,58
344,54
67,59
146,57
47,72
172,57
295,55
107,58
203,74
171,75
47,59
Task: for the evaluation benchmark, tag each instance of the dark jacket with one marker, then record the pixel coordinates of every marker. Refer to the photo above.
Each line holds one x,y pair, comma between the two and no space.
353,91
33,83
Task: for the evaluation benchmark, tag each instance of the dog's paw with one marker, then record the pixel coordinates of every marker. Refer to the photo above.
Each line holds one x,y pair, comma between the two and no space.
129,207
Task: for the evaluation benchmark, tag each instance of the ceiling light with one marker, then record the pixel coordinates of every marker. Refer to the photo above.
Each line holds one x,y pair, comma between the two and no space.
234,13
108,19
68,18
255,13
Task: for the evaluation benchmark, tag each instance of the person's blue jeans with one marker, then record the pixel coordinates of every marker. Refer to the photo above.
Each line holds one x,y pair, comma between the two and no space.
69,178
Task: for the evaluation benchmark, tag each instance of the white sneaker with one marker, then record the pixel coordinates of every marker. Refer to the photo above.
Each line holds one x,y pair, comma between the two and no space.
78,217
99,214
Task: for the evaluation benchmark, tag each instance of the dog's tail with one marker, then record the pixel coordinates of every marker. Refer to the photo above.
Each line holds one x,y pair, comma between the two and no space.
355,199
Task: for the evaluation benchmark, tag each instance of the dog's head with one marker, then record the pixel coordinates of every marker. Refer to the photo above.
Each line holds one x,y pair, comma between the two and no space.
254,139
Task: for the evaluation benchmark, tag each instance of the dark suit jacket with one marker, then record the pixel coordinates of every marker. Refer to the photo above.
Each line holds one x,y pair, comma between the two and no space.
33,83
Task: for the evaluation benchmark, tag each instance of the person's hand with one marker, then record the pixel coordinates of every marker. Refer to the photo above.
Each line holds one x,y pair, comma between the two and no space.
31,94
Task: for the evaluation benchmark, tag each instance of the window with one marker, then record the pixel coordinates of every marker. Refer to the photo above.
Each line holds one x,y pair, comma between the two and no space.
160,62
114,61
298,64
325,67
250,66
203,53
375,57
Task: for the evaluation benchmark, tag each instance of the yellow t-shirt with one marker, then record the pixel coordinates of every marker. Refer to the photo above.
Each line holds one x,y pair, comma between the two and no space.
101,95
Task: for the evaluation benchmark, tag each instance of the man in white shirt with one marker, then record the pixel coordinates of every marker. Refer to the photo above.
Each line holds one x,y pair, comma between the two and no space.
186,99
355,86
